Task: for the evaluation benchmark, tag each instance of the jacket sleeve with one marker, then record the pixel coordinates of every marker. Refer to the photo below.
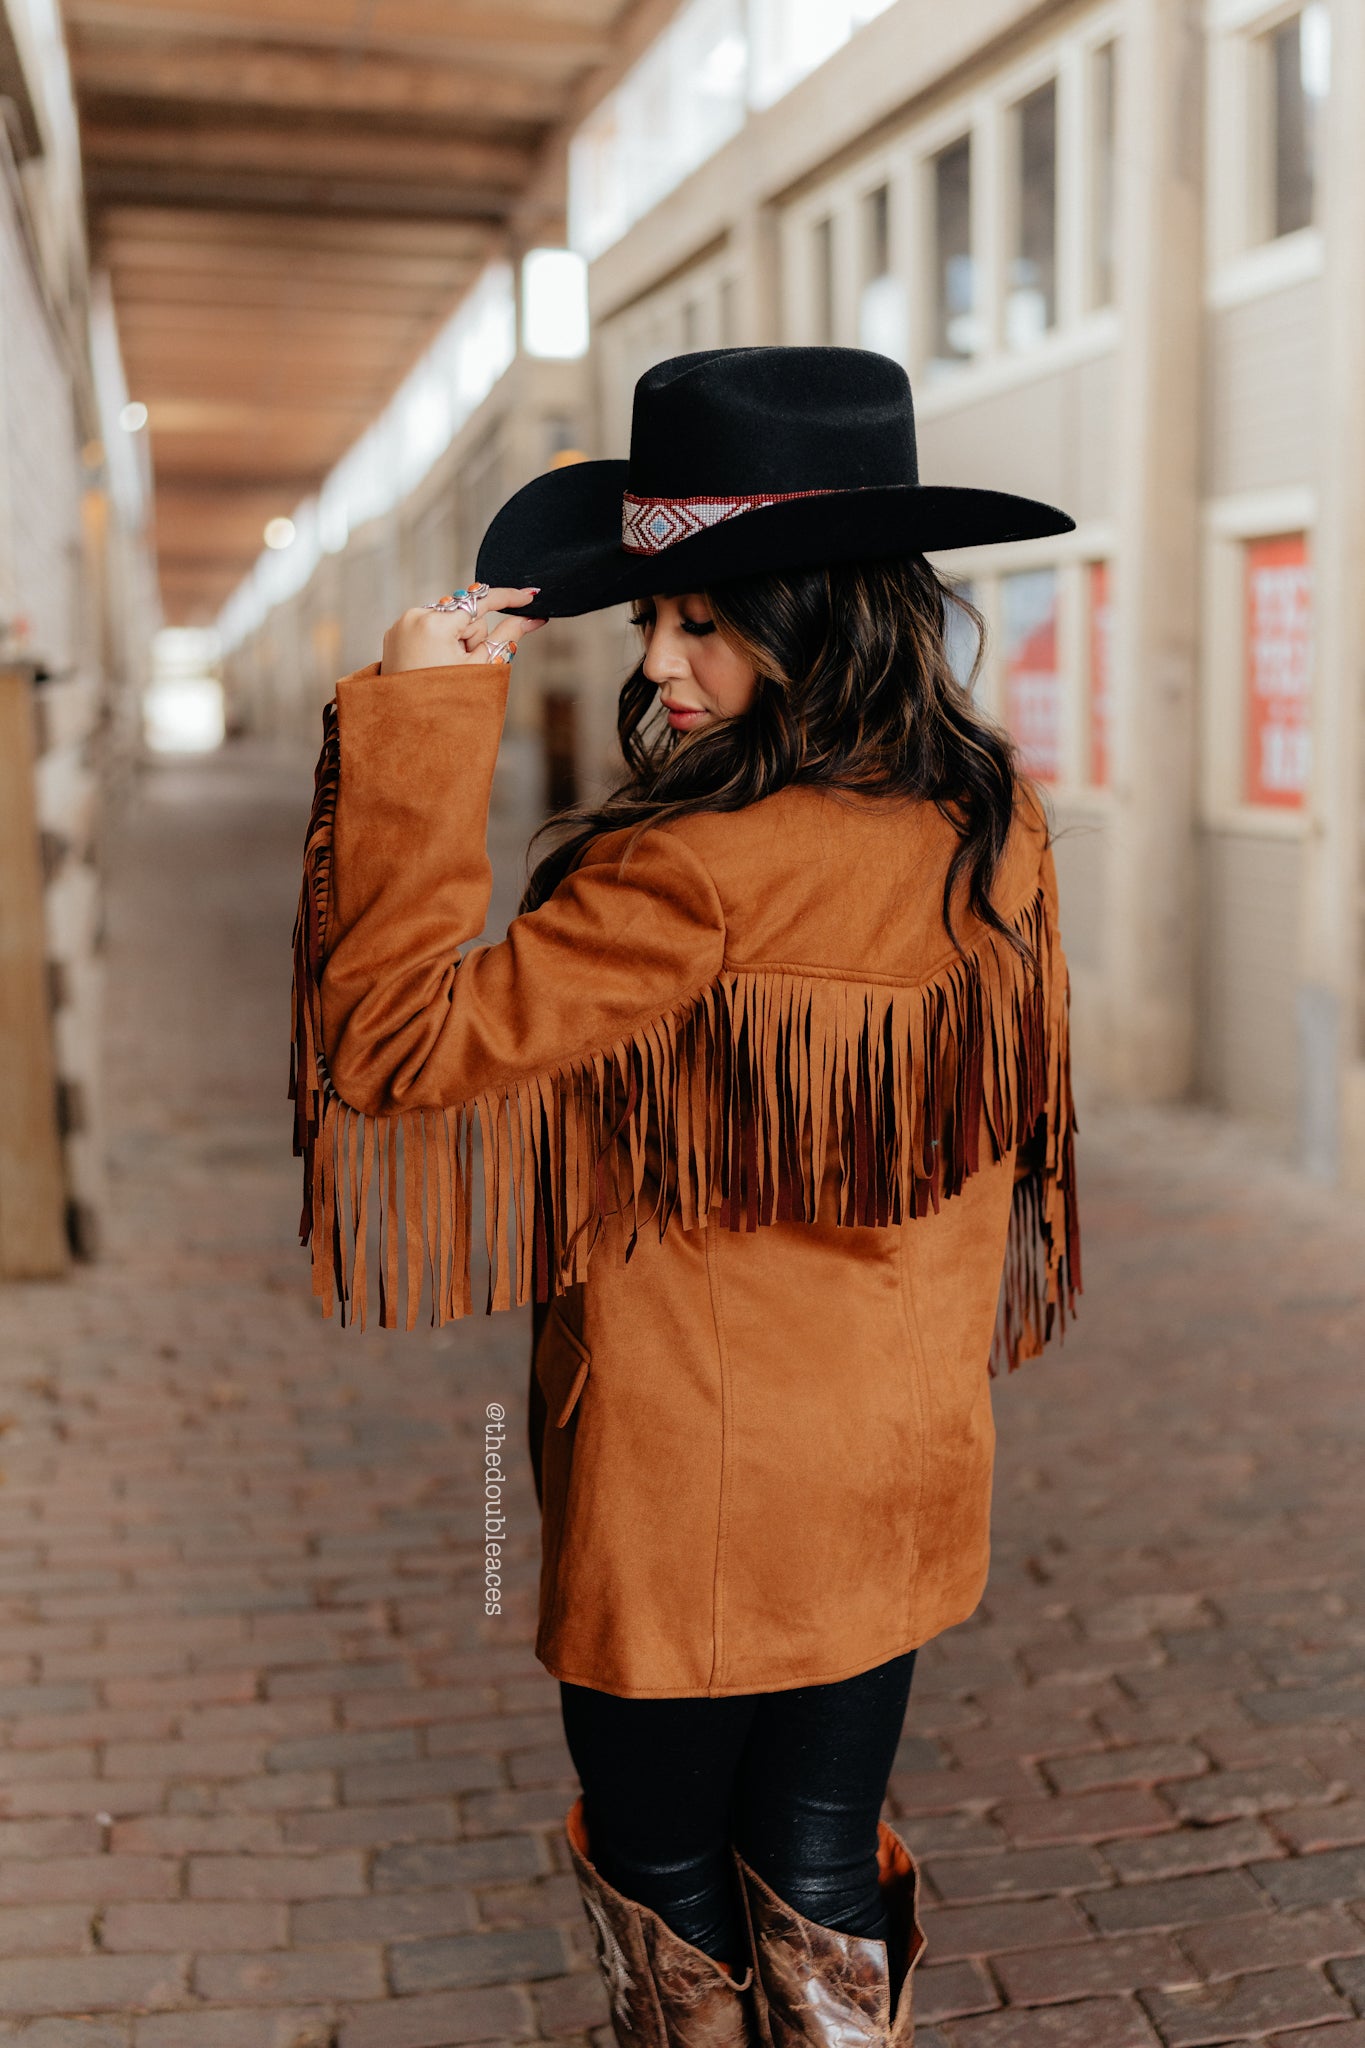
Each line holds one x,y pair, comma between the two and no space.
406,1023
412,1061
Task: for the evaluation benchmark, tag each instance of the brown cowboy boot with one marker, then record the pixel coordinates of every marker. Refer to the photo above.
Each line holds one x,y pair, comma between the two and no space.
817,1988
664,1993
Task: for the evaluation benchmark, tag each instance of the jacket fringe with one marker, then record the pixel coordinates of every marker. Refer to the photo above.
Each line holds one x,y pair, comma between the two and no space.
722,1109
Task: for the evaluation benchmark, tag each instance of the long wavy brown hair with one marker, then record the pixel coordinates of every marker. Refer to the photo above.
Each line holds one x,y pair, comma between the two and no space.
856,692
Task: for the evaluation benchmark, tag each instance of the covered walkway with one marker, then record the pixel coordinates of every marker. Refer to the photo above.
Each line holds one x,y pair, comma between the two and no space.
269,1777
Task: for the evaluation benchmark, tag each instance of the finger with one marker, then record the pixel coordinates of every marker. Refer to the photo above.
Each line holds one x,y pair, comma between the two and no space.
509,628
516,628
499,599
496,625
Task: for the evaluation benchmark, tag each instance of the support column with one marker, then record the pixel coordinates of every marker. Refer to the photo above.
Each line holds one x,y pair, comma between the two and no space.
1331,1054
753,243
1151,948
33,1243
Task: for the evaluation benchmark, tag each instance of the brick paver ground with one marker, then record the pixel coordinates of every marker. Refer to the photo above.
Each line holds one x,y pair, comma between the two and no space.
269,1777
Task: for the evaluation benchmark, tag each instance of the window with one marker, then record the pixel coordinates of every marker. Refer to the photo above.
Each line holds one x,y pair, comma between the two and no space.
1033,681
1297,71
1278,671
672,110
1031,304
691,326
729,321
1103,173
1100,706
882,307
554,304
822,236
956,325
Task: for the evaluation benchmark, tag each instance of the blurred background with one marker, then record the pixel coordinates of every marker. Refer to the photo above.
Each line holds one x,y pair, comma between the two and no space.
293,293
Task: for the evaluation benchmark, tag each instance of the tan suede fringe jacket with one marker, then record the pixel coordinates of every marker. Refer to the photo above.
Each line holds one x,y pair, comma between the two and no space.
787,1165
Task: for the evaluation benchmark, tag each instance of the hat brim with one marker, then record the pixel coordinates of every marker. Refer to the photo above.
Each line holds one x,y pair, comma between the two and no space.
562,532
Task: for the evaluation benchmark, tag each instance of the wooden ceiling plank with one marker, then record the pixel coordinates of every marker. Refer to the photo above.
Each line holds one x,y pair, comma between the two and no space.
367,85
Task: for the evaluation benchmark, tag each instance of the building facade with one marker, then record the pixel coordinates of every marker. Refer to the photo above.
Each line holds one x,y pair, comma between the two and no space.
1113,244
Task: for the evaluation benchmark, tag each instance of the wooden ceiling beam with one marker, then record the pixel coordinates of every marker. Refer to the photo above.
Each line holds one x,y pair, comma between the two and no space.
149,294
266,192
290,387
300,231
271,268
213,488
290,383
146,287
362,85
317,153
227,366
296,320
416,27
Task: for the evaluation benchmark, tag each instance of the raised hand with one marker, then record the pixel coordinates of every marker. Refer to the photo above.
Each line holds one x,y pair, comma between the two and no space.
468,628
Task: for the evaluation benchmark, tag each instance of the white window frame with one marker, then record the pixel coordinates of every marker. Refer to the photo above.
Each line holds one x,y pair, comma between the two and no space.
905,163
1081,330
1082,51
1242,263
1070,554
1043,68
1229,523
840,200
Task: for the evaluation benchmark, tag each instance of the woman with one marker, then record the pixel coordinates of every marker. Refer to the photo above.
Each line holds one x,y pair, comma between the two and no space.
771,1086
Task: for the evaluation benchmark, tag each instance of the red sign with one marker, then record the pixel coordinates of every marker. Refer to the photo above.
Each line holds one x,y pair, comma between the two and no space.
1033,684
1101,673
1279,666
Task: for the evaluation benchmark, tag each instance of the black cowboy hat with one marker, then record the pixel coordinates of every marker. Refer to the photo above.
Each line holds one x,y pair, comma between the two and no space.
744,460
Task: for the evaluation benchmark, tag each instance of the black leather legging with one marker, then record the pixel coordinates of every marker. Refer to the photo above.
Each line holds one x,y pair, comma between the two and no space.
795,1780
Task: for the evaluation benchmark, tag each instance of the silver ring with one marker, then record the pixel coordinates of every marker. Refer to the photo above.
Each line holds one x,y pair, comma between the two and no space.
453,604
499,650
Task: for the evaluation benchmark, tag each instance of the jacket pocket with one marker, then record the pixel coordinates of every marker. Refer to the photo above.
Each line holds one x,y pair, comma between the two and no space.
563,1360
